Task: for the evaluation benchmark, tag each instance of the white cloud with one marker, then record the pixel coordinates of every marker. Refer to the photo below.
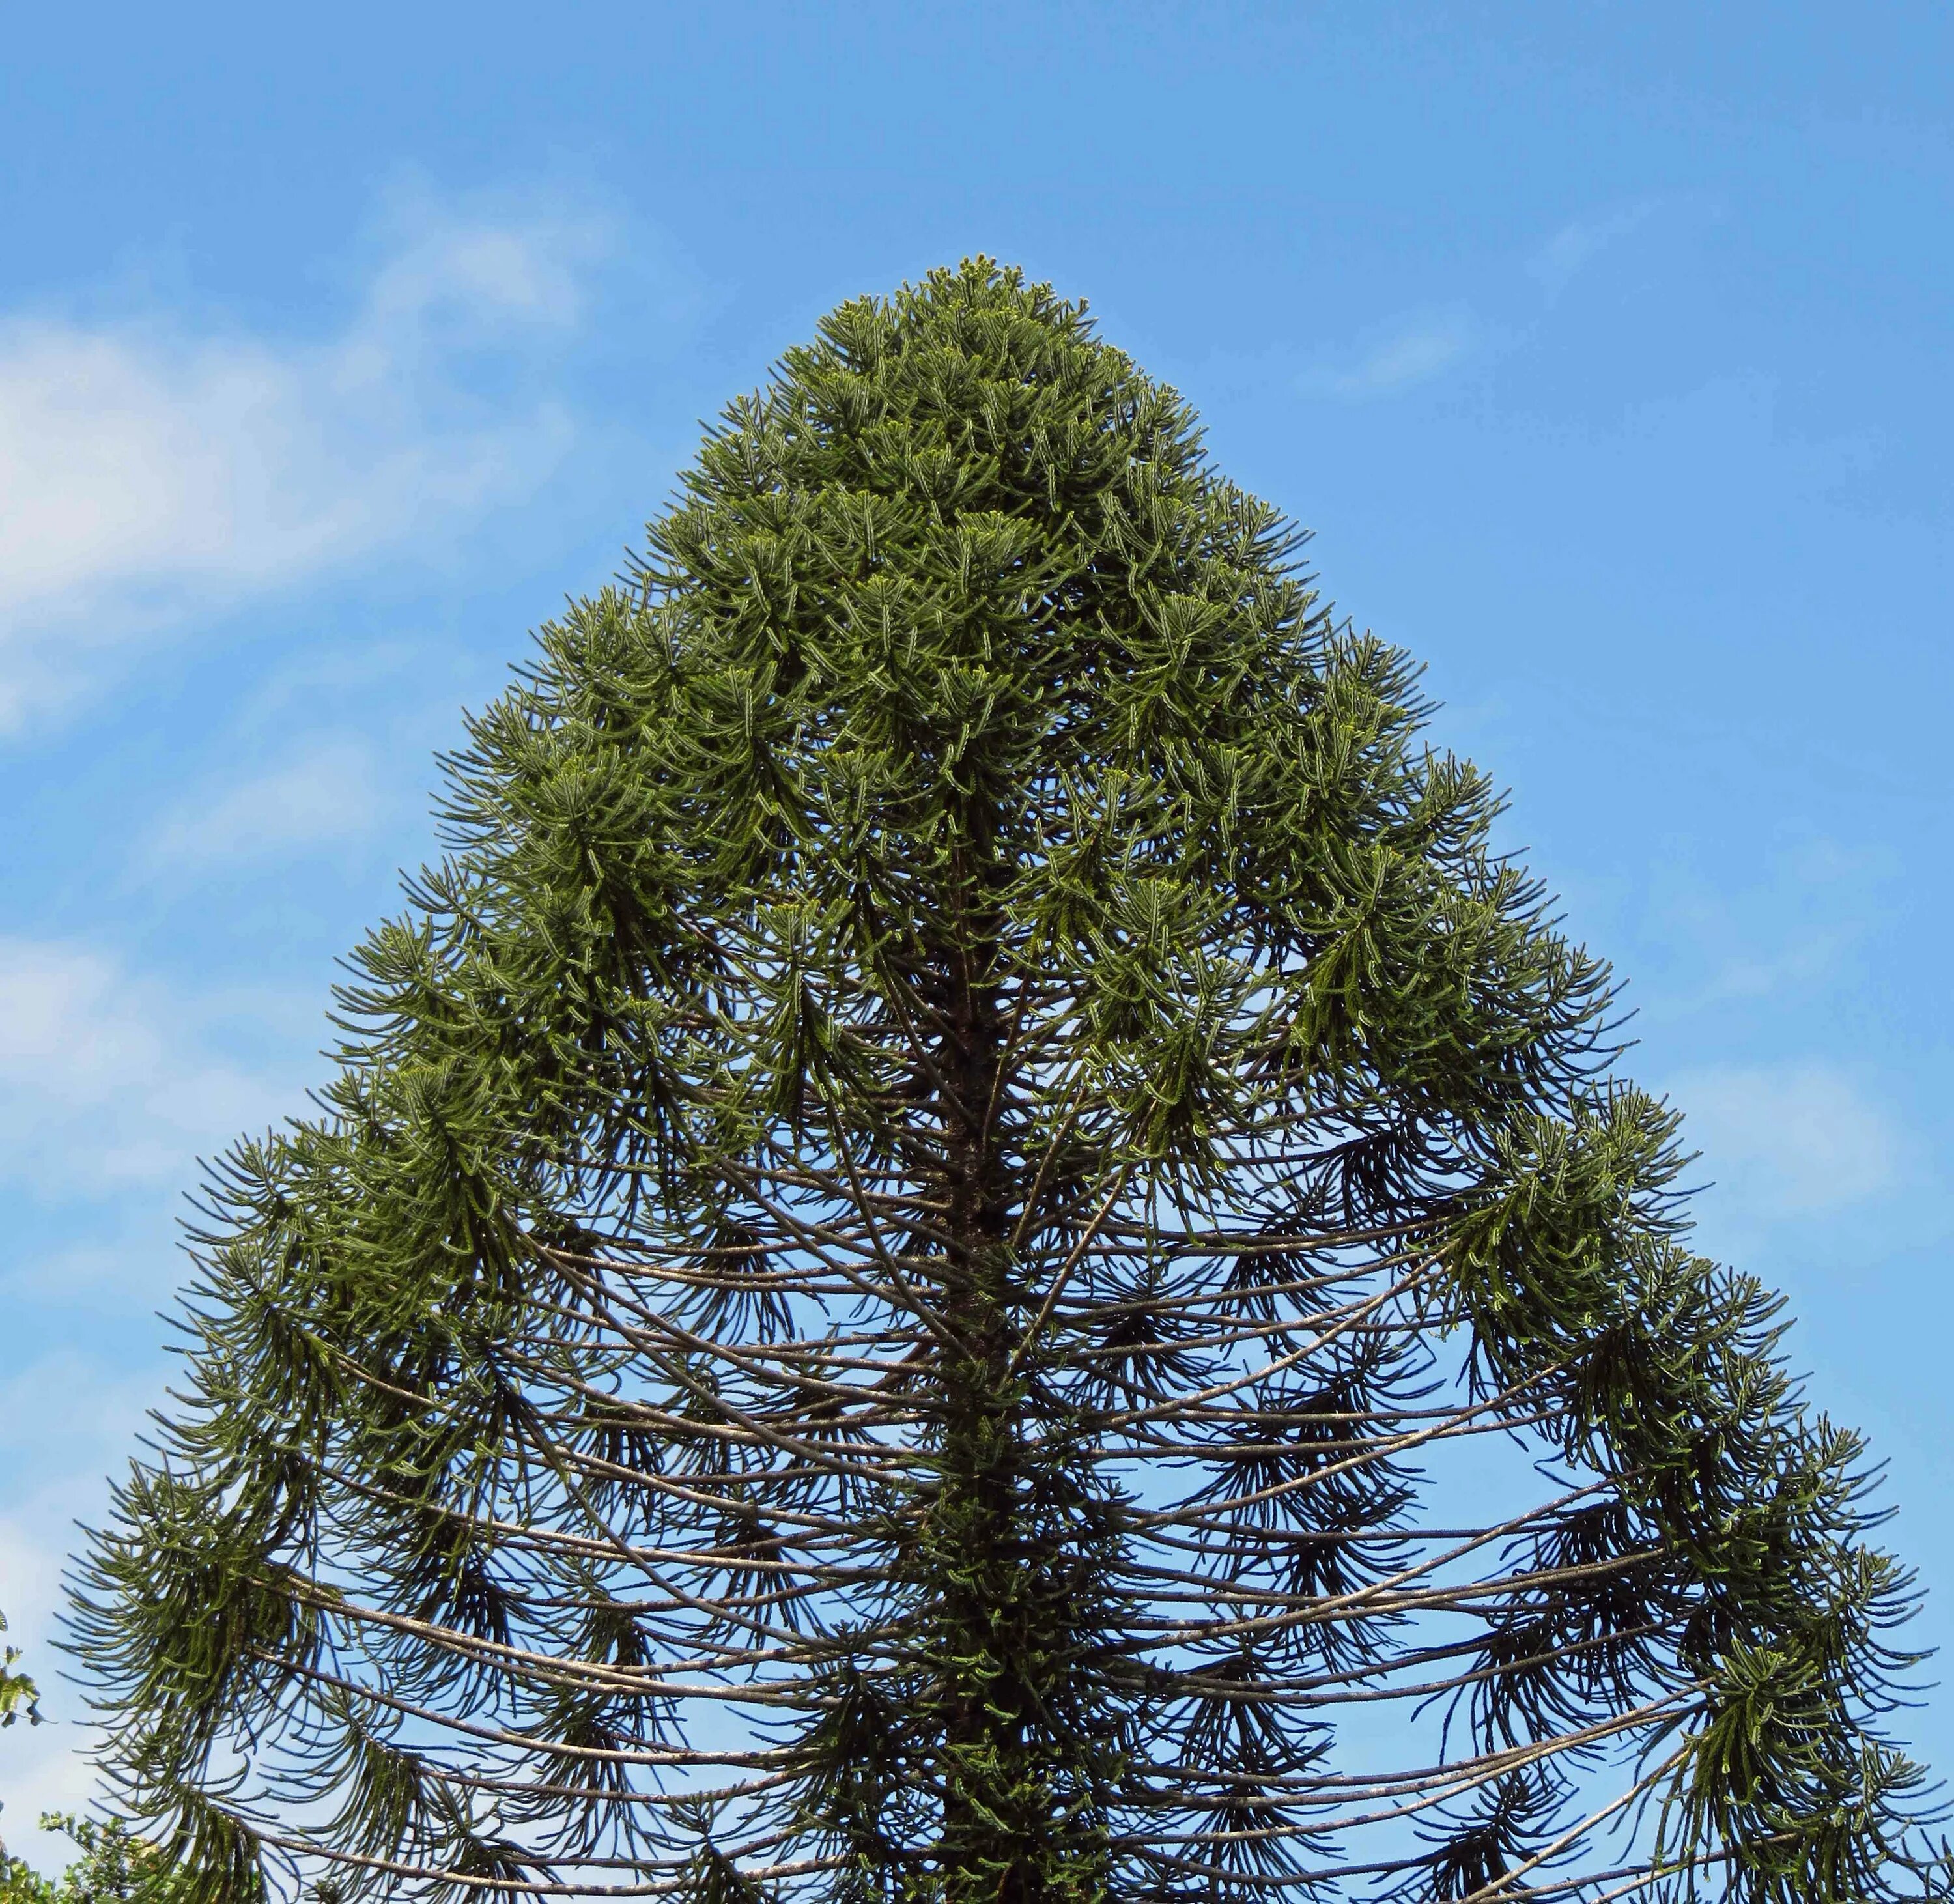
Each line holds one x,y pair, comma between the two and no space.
66,1412
150,470
107,1083
44,1768
1394,358
29,1582
1575,246
328,793
1787,1140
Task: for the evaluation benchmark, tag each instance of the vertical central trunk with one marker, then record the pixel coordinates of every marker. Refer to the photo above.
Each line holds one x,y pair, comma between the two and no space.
991,1821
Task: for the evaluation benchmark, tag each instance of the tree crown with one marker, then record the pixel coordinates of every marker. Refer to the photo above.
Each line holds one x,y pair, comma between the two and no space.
929,1245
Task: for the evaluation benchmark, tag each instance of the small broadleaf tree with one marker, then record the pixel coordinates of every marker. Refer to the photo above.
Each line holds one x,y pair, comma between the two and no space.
975,1248
19,1696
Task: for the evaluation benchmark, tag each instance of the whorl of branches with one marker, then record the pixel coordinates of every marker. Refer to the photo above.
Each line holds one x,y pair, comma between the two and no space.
974,1247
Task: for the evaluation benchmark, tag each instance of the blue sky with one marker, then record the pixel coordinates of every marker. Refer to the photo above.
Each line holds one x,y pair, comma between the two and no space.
1605,347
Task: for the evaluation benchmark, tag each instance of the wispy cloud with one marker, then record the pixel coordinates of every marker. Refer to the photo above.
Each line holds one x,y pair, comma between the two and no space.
1408,351
108,1086
327,794
150,469
43,1769
108,1083
1787,1140
66,1421
47,1767
1575,245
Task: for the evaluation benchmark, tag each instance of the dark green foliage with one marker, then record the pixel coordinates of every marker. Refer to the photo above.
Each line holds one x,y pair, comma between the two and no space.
973,1248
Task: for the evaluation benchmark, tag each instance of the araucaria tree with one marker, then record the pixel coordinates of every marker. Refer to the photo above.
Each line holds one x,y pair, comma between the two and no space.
974,1248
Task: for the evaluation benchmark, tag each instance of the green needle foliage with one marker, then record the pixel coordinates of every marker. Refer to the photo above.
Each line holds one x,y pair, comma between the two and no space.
974,1249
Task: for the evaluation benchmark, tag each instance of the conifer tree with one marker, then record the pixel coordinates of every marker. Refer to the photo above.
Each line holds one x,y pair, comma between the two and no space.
974,1247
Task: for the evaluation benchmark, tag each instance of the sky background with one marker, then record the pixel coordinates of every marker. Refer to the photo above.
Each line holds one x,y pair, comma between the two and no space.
1605,347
